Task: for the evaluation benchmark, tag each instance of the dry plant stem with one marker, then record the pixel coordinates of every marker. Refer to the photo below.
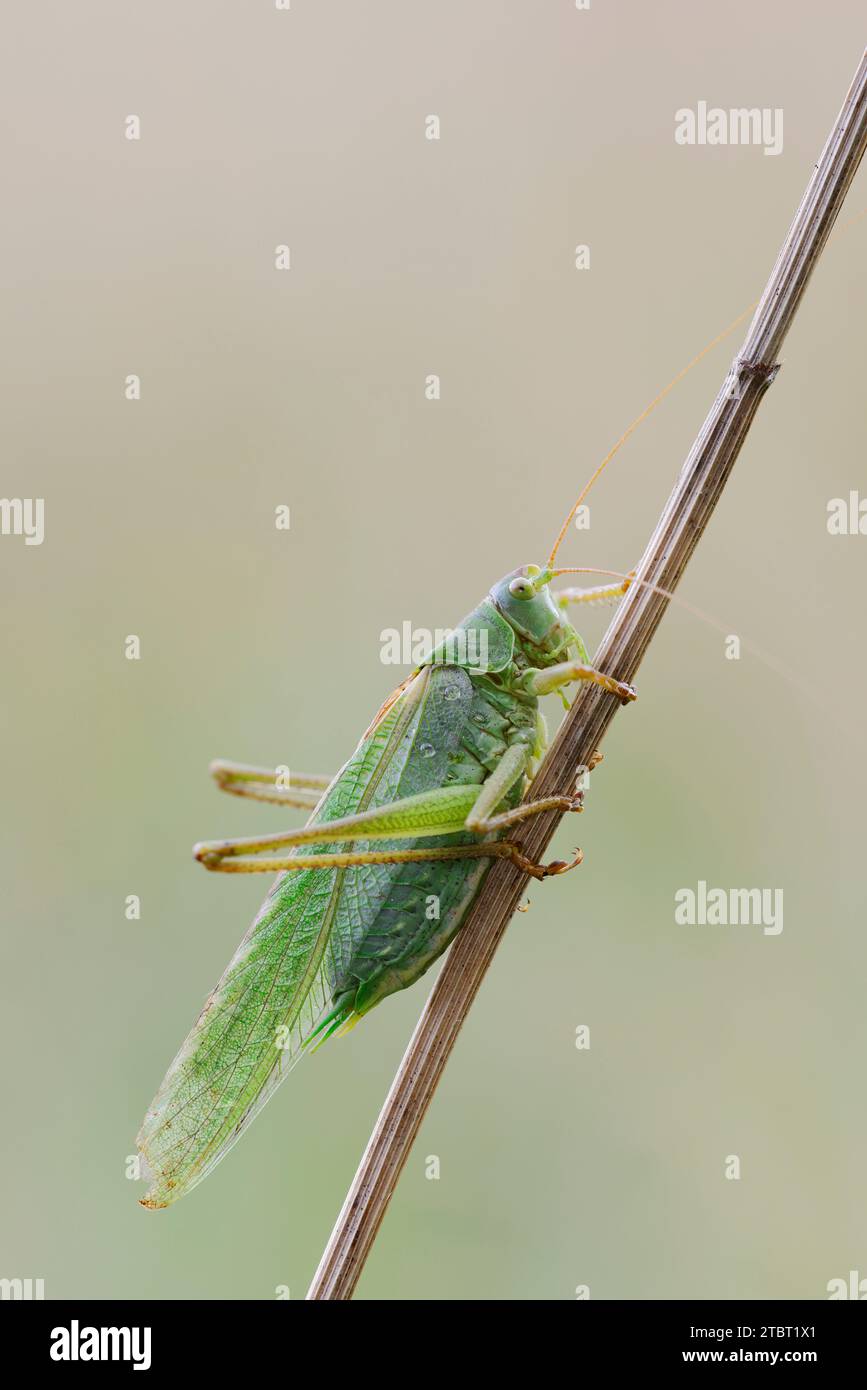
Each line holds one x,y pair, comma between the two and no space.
674,539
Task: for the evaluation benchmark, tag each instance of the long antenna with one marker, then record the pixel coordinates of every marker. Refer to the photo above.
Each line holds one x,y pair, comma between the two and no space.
662,395
639,419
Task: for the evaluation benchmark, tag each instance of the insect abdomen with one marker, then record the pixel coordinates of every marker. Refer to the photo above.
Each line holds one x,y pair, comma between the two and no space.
421,906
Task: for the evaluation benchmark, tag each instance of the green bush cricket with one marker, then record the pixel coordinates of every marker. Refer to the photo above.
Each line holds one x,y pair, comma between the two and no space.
376,885
373,889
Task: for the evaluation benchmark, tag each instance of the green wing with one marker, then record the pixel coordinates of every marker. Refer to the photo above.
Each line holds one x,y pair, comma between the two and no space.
275,990
280,984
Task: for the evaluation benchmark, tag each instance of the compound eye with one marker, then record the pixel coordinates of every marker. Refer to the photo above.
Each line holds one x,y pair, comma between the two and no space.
521,588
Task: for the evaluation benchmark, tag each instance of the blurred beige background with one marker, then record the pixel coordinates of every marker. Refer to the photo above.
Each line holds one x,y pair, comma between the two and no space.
410,257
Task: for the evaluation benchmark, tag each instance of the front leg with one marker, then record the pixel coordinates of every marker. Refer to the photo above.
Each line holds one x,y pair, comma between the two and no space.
600,593
545,680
